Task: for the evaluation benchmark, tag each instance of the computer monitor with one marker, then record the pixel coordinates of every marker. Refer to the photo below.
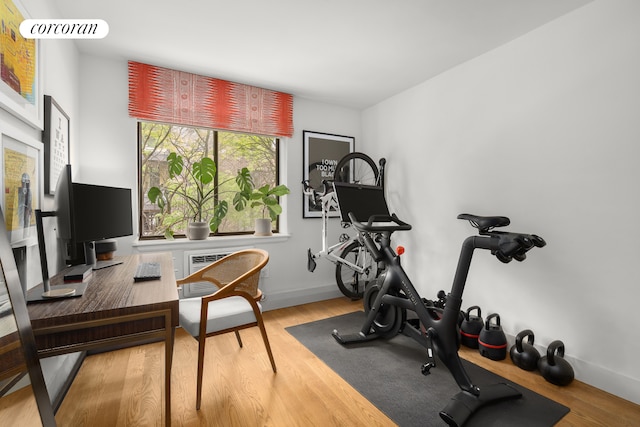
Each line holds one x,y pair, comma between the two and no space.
362,200
86,213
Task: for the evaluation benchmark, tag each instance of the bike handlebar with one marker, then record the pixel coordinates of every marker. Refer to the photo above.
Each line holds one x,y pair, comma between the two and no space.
506,246
309,190
515,245
380,223
377,224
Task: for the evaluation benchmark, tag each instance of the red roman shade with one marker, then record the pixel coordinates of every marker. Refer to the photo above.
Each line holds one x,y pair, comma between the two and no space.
165,95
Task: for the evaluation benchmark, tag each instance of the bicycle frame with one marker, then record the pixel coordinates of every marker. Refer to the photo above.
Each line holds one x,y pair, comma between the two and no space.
329,254
329,201
444,328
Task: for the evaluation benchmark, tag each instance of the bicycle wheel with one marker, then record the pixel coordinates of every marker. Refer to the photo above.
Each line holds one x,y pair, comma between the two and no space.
350,282
390,318
356,168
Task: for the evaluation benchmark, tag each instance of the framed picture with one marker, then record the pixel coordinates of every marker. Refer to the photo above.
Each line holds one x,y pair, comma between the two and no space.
322,152
56,143
21,159
20,85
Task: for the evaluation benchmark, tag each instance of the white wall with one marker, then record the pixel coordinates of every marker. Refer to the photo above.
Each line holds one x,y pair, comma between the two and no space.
545,131
107,154
60,75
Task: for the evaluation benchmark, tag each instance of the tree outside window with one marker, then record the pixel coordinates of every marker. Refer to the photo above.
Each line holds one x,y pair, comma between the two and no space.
230,151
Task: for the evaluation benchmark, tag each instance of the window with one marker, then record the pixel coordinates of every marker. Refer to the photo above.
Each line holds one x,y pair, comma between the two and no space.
229,150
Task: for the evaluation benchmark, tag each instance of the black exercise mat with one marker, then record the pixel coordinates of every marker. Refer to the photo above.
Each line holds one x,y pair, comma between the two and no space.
387,373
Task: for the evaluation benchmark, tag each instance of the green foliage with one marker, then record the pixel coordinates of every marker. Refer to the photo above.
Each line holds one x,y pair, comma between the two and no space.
185,145
265,197
196,187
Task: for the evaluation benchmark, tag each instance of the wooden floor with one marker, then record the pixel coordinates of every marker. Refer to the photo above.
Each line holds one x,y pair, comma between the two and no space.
124,387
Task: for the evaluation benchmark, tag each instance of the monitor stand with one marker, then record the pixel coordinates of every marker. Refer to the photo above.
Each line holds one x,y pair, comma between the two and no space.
46,292
67,290
91,258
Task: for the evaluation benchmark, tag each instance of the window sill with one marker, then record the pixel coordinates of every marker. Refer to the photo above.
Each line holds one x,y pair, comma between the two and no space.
211,242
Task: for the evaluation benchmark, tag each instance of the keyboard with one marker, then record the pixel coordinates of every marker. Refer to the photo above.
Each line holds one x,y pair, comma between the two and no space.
147,271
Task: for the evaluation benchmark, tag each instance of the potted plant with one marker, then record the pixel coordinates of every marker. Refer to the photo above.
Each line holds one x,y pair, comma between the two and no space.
196,187
264,197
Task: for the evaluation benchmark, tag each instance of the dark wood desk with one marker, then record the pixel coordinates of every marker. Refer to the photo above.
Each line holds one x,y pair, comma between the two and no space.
114,310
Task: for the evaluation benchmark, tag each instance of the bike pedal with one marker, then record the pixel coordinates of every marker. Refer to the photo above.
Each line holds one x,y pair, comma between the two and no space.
426,368
311,263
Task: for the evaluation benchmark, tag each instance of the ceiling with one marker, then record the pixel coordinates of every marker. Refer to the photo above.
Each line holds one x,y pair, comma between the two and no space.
353,53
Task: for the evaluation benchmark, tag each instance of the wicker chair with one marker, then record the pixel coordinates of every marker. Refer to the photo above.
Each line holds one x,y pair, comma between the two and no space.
234,306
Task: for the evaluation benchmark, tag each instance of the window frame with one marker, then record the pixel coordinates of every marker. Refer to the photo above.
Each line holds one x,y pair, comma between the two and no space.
215,157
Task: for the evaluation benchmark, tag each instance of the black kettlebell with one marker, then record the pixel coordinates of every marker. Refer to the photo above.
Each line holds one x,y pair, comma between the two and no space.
471,327
492,341
553,367
525,355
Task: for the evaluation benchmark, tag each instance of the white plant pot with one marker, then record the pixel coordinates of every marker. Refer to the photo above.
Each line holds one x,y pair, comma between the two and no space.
198,230
263,227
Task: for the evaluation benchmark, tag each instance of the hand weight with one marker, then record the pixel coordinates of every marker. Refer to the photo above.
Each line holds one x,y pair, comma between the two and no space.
471,327
553,367
523,354
492,341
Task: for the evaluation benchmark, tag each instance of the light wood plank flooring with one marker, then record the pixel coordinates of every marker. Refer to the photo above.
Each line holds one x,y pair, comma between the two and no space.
124,387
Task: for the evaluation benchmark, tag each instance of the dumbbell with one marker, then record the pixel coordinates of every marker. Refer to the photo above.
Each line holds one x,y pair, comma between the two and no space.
492,341
471,327
553,367
523,354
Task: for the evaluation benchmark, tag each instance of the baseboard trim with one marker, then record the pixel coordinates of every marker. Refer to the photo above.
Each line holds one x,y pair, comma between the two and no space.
619,385
273,301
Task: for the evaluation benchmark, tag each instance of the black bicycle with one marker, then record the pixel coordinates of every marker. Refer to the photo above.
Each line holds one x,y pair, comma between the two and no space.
389,298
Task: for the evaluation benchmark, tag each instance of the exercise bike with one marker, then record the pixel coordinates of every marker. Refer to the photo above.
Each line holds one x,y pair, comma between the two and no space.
393,294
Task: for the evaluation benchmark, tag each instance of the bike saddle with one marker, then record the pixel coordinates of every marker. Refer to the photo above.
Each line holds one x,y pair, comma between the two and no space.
485,223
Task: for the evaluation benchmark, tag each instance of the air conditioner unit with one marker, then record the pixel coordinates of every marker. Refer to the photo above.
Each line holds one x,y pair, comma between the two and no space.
194,261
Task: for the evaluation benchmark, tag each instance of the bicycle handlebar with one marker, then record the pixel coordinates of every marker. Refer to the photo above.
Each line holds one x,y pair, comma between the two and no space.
309,190
506,246
377,224
380,223
515,245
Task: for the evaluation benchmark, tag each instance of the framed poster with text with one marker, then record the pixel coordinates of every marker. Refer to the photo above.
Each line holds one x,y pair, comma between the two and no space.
56,143
322,152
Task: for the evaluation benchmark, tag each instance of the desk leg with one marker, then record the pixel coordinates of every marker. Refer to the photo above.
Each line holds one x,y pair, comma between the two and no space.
168,358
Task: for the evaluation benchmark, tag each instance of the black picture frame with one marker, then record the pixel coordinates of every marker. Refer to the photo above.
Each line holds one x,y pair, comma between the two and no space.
55,137
322,152
18,352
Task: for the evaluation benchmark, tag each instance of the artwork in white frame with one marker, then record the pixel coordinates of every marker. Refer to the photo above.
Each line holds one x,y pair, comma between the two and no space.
21,157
